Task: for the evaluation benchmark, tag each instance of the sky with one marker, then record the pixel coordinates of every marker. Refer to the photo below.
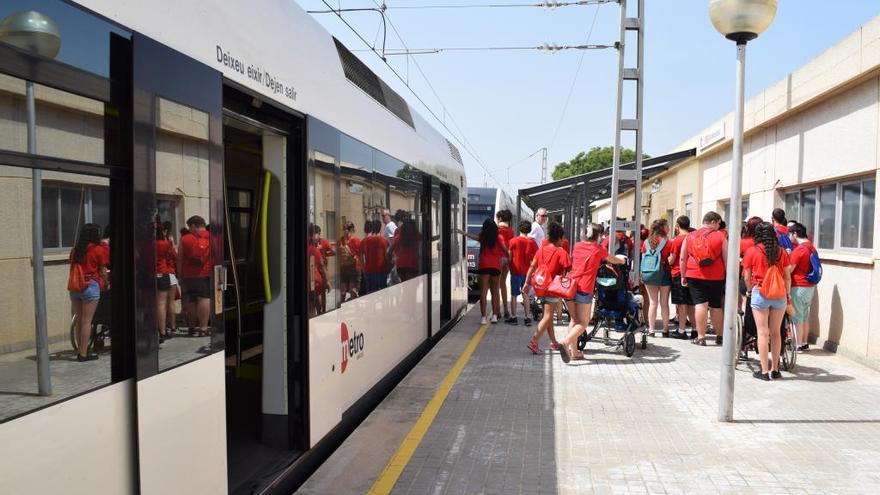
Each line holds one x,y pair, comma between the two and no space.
508,104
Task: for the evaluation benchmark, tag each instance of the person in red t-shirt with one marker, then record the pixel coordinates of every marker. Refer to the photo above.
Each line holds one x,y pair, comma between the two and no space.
319,282
658,283
503,219
349,262
680,295
588,255
802,290
624,244
556,260
768,312
406,248
166,266
87,255
492,250
374,249
522,251
195,267
704,255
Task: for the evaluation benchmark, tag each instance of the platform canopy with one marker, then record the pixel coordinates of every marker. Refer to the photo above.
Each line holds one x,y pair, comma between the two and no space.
580,191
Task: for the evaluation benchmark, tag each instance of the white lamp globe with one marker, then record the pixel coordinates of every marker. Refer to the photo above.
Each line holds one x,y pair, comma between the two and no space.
742,20
31,31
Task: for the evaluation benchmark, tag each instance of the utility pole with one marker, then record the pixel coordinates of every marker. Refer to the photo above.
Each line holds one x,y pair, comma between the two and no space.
636,74
544,165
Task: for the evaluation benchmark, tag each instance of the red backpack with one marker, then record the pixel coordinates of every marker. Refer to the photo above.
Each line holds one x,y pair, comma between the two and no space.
202,250
700,248
542,277
76,279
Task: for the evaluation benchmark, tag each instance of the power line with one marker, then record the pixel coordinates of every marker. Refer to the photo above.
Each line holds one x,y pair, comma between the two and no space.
462,141
471,150
574,80
547,47
545,5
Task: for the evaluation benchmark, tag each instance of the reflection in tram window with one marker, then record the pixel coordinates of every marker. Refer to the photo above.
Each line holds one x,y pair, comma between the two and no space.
348,253
184,286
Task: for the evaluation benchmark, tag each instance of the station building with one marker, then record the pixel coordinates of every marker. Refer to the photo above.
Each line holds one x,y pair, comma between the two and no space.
812,147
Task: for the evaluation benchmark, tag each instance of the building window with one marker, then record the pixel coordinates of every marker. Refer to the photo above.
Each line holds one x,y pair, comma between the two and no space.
688,202
842,214
725,207
67,207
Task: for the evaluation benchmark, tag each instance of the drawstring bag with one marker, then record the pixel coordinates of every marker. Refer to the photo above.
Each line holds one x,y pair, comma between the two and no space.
76,279
773,285
542,277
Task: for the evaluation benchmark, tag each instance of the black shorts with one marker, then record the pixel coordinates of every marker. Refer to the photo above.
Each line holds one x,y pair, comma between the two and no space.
197,288
707,291
680,295
489,271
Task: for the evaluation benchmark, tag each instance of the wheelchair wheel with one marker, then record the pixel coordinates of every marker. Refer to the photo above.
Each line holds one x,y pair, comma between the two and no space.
74,320
789,345
629,344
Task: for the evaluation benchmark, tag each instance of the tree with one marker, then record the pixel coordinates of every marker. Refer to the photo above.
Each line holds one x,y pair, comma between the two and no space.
595,159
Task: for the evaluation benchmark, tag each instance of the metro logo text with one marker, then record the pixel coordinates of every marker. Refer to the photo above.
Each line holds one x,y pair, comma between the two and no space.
352,347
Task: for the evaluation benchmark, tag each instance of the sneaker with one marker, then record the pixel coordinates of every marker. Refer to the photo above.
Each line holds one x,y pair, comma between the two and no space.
775,375
719,340
494,319
87,357
554,346
761,376
533,346
483,320
527,322
512,321
682,334
694,333
803,348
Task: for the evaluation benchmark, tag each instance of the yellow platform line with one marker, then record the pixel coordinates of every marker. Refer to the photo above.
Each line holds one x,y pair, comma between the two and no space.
407,448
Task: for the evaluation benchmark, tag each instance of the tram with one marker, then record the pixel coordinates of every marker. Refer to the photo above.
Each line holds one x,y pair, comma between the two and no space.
483,203
144,118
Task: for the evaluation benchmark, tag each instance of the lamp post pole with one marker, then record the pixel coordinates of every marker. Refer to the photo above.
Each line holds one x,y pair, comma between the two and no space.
734,222
740,21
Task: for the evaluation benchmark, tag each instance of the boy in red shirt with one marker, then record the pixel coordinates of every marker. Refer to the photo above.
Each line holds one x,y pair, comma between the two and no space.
374,248
522,251
703,258
195,270
802,290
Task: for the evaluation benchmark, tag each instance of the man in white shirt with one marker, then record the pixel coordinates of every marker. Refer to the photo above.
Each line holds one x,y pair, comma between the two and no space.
538,226
390,226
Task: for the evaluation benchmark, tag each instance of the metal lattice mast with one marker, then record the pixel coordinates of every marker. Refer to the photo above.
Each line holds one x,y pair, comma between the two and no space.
635,74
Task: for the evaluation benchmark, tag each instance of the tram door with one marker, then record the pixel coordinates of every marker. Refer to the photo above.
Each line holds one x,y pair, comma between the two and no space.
254,161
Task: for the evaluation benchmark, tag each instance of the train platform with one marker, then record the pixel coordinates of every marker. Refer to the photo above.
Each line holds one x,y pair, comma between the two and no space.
480,414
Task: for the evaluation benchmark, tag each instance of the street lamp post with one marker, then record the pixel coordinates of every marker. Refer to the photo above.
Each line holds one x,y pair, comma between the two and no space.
740,21
37,33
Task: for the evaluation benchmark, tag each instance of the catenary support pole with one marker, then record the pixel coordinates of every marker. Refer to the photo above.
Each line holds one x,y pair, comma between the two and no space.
44,378
731,288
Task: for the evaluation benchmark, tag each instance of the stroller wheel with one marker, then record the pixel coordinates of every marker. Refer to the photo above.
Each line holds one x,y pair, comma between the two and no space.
629,344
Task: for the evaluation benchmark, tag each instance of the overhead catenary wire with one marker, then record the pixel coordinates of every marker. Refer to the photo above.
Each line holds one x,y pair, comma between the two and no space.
461,141
545,5
547,47
574,81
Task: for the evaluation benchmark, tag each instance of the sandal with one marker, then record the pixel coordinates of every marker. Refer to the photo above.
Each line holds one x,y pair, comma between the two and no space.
563,353
578,357
699,341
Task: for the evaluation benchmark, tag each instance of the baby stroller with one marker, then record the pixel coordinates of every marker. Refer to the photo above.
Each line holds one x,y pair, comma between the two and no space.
618,309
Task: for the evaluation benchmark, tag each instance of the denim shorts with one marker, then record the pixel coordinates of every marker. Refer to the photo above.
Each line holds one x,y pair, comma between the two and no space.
758,301
801,299
92,292
516,283
550,300
583,298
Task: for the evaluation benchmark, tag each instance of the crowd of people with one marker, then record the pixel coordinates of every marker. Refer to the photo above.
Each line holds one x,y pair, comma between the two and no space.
778,268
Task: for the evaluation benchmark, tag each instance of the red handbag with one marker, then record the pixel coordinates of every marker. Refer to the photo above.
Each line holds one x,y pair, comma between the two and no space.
562,287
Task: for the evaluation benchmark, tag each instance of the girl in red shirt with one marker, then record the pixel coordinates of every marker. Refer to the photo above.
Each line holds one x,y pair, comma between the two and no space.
658,288
768,312
88,254
406,249
557,263
585,261
503,218
492,250
166,263
349,262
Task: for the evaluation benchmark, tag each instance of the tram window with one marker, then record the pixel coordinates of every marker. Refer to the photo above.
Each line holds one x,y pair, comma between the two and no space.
355,208
436,226
75,319
323,283
184,259
456,224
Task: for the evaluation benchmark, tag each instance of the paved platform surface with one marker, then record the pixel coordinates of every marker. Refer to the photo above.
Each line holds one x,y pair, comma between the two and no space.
516,423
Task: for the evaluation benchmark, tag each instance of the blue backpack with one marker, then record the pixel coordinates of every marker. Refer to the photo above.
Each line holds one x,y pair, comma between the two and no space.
815,274
784,241
652,265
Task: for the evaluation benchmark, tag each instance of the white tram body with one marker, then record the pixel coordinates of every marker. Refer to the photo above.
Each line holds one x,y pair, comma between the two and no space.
154,430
